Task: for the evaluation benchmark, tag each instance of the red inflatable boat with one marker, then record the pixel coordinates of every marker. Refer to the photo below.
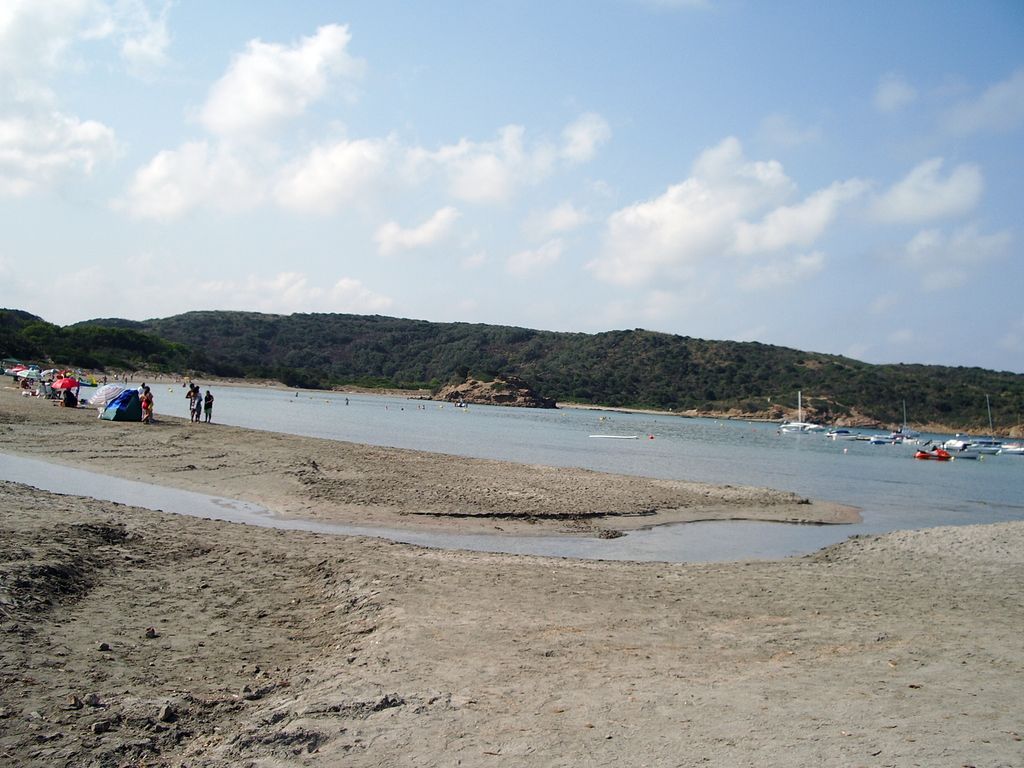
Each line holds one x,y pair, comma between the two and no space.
937,455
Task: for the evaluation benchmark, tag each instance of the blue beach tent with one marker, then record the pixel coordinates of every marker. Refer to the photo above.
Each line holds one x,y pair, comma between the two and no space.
124,407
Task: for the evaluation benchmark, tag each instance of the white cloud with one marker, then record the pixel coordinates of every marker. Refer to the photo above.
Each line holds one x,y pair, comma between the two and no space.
200,174
270,83
289,292
923,195
391,237
333,175
781,130
1000,108
92,290
782,272
565,217
749,184
145,38
964,246
39,142
691,222
529,262
893,93
582,137
799,224
494,171
482,172
36,149
945,262
194,175
37,37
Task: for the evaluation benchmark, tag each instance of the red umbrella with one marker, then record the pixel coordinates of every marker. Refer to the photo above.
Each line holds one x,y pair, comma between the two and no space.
18,367
65,384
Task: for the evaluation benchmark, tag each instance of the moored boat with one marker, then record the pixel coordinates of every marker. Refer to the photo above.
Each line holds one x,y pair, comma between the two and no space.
841,433
799,426
936,454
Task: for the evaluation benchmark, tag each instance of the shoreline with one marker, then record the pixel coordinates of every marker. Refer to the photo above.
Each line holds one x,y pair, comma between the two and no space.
1010,433
338,482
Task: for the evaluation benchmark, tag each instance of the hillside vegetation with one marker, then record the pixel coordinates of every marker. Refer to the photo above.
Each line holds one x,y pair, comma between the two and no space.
636,368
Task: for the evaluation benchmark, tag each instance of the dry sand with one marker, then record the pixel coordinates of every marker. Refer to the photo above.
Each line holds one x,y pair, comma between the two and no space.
273,648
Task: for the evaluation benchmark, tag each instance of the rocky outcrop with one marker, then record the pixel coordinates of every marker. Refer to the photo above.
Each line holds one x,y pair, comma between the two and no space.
508,391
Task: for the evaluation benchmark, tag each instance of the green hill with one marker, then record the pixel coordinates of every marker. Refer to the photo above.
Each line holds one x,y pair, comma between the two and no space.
98,345
637,368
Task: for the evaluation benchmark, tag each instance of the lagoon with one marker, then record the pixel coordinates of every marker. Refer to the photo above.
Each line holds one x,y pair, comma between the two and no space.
894,490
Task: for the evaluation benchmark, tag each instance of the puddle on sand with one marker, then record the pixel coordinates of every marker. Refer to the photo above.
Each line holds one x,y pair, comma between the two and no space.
686,542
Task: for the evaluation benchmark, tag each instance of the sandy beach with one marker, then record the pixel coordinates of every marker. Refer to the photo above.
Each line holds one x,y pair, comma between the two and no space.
131,637
340,482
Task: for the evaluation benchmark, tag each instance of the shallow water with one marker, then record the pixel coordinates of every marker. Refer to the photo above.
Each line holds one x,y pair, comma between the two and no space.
893,490
882,479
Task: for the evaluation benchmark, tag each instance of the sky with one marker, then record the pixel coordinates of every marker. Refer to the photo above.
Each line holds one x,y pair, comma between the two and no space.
843,177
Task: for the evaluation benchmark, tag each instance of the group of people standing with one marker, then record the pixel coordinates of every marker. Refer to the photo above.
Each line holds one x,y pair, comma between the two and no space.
199,405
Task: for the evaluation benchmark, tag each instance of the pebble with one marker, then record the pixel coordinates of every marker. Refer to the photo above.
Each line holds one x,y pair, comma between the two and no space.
74,702
101,726
93,700
151,633
103,647
167,714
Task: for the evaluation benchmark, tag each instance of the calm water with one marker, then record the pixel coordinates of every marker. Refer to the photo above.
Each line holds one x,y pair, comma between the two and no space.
894,490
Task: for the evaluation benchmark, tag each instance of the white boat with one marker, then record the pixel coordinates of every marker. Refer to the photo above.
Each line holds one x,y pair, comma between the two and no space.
986,446
841,433
800,426
618,437
905,434
967,447
1012,449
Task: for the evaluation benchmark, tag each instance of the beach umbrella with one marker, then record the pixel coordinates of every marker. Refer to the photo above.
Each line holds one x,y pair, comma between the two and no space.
28,374
105,394
17,368
65,384
49,372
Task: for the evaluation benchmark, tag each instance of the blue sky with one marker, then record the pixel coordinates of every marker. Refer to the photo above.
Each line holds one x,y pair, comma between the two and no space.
837,177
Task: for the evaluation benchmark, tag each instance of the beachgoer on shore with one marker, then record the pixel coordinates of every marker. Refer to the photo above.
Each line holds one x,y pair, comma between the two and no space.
195,403
147,405
208,405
